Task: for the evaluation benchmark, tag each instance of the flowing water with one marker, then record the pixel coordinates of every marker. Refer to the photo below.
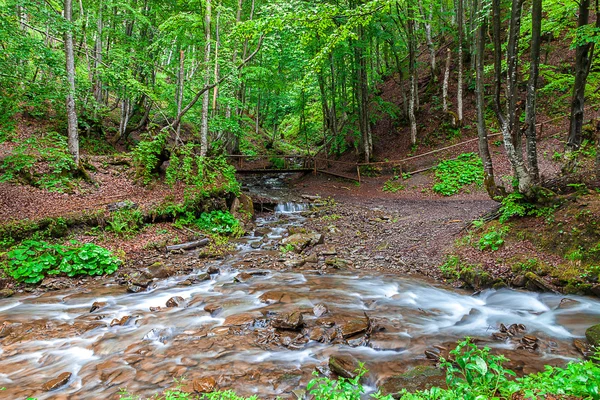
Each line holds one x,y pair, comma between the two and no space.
234,342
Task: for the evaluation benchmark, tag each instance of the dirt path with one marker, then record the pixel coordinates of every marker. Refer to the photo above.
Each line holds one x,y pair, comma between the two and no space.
403,233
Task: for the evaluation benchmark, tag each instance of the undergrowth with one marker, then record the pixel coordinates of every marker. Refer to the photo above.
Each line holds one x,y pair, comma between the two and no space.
472,373
214,222
453,175
393,185
32,260
42,162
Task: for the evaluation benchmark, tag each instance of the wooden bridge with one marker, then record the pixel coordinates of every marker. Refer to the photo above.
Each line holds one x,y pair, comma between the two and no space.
274,164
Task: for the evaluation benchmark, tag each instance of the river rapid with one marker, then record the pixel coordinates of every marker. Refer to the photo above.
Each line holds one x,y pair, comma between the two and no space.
223,327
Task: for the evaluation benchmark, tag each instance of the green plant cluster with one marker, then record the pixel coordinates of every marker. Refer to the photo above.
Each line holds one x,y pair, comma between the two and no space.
515,204
393,185
32,260
147,155
493,239
453,175
214,222
126,221
42,162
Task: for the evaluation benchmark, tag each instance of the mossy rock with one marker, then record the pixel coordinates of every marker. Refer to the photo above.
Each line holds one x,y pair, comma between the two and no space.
592,334
419,378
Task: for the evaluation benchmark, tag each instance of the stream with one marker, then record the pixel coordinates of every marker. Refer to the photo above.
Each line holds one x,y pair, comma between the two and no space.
222,327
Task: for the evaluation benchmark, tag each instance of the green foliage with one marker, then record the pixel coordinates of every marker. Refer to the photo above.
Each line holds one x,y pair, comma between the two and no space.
32,260
147,155
43,162
516,205
277,162
125,221
214,222
452,175
342,389
288,248
393,185
493,239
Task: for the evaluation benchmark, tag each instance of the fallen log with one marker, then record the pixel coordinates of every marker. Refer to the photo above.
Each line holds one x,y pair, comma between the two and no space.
188,245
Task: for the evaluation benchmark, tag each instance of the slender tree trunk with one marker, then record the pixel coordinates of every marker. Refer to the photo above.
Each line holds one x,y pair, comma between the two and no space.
582,63
459,94
216,73
206,95
531,134
98,55
430,44
446,80
482,134
73,134
180,84
413,76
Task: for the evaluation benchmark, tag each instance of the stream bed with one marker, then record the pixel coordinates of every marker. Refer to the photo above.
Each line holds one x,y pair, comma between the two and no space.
240,327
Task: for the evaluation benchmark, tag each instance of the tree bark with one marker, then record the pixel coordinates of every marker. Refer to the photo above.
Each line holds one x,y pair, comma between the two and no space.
459,93
206,95
484,150
73,134
413,76
582,63
446,81
531,133
180,84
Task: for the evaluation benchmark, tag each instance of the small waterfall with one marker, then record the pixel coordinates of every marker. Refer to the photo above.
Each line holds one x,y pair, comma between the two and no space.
290,207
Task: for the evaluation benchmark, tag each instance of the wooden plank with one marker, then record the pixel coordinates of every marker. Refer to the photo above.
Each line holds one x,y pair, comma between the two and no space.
273,171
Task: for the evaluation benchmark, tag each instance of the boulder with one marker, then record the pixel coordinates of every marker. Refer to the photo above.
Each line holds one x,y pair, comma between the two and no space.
300,241
353,326
592,334
160,271
418,378
57,382
212,308
291,321
6,293
176,301
204,385
320,309
345,366
134,288
212,270
338,263
97,305
534,282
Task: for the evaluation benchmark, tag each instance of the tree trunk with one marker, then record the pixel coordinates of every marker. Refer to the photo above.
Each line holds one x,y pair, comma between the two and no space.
206,95
98,55
413,76
484,150
459,93
531,134
73,135
446,81
582,63
180,83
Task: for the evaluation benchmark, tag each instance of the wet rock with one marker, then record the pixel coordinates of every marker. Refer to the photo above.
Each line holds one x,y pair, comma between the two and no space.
155,309
142,282
275,297
344,365
262,231
567,303
6,293
121,322
212,270
534,282
300,241
418,378
135,289
242,277
338,263
354,326
320,309
592,334
582,347
97,305
57,382
176,301
519,281
329,252
596,290
201,278
241,319
160,271
319,334
292,321
189,362
204,385
6,329
212,308
433,354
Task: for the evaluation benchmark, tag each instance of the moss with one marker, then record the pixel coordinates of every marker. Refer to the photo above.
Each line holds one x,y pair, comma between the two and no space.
592,335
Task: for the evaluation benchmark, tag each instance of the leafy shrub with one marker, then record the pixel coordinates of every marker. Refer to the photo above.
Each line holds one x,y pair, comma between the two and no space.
42,162
452,175
516,205
216,222
493,239
277,162
32,260
146,156
125,221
